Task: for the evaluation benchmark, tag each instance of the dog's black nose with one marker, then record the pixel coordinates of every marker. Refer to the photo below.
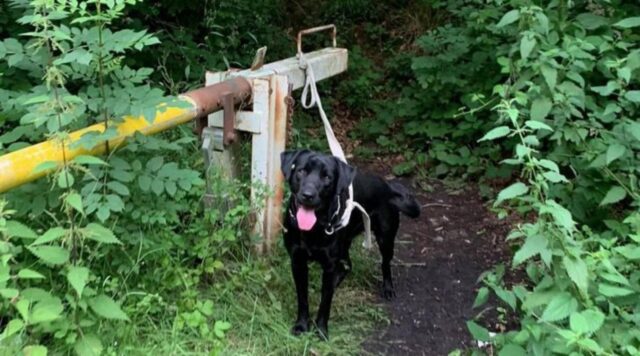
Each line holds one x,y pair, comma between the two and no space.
307,195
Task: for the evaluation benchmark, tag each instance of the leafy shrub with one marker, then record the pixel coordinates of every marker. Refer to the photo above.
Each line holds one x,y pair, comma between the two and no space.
570,107
103,242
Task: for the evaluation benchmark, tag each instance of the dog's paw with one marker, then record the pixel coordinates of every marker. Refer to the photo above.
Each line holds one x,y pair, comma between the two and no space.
300,327
388,292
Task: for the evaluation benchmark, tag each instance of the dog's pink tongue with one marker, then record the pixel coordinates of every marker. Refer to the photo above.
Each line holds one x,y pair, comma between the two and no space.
306,218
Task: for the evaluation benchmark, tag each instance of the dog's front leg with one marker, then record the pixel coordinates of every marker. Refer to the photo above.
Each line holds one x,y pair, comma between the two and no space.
300,269
329,282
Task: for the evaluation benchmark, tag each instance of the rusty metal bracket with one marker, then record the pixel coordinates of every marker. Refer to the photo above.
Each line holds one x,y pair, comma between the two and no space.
211,98
317,29
230,134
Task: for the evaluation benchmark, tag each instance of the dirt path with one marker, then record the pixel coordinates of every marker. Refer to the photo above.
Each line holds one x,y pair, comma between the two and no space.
437,263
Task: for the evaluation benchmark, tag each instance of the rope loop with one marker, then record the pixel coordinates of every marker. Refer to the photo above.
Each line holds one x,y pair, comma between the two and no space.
309,99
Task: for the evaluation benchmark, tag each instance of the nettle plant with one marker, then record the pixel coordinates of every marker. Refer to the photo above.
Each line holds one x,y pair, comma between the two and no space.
54,278
571,106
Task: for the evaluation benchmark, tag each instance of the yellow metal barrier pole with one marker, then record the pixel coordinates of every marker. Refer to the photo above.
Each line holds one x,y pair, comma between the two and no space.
17,168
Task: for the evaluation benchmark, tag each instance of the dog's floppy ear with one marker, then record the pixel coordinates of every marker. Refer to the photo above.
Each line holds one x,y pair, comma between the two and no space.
346,173
288,160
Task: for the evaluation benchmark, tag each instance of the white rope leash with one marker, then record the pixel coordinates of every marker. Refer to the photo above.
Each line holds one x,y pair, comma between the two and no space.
307,103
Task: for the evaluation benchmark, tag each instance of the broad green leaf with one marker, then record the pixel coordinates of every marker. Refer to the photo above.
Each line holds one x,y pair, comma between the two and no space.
527,43
531,140
22,305
497,132
107,308
89,345
77,277
540,108
51,235
625,74
550,165
45,166
114,202
155,163
482,297
75,201
171,188
554,177
89,160
522,151
591,21
46,310
588,321
119,188
157,186
9,293
628,22
80,56
144,181
607,89
560,214
615,277
550,75
538,125
26,273
634,129
609,290
478,332
506,296
560,307
14,326
5,273
633,95
577,78
65,179
103,213
512,191
16,229
219,327
512,350
34,350
509,18
533,245
614,195
54,255
122,175
614,152
577,271
590,345
100,233
633,59
629,251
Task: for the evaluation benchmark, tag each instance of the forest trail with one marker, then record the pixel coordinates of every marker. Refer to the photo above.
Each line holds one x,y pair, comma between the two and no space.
438,260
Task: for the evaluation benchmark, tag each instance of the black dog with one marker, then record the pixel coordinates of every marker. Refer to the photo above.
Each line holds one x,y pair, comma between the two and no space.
319,191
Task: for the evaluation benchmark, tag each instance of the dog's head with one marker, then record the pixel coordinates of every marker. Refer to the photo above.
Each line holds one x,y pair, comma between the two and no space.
317,183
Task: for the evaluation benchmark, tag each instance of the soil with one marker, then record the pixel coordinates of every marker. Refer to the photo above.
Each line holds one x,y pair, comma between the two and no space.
438,260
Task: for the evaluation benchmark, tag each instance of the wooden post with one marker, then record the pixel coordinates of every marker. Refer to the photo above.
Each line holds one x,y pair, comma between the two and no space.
267,123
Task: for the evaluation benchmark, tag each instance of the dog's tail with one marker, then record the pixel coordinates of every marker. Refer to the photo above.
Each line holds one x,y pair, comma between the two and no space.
404,200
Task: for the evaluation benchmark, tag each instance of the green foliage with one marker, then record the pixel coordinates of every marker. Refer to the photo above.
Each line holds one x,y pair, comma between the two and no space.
115,255
214,36
422,113
70,277
568,105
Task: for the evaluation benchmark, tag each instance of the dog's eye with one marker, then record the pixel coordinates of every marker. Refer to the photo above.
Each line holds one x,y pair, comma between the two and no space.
301,172
327,178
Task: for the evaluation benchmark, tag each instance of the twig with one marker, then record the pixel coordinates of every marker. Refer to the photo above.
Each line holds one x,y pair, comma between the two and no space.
404,241
437,204
409,264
